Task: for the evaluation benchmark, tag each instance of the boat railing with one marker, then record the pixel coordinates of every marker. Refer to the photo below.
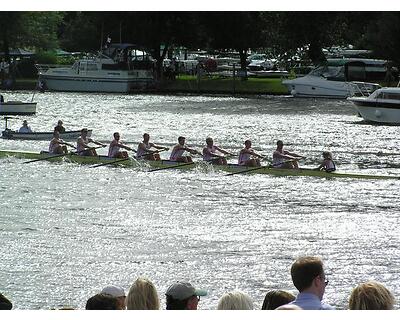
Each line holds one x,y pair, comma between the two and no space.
359,88
46,67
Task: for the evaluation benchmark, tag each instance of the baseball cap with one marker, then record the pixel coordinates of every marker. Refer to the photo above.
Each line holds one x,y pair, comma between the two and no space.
114,291
183,290
84,130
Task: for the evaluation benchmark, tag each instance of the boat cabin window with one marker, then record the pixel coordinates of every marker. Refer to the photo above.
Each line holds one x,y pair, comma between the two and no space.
389,96
330,72
92,67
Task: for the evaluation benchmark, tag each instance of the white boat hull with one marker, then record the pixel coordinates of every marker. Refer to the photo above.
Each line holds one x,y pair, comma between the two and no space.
111,83
17,108
67,135
376,108
316,87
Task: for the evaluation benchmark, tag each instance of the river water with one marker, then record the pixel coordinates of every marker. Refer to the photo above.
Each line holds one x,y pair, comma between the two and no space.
68,230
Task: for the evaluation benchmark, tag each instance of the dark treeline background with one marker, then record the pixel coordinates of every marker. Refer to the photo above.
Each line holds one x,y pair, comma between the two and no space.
279,33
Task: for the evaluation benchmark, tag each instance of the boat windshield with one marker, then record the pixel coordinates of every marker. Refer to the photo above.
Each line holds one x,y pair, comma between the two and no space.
328,72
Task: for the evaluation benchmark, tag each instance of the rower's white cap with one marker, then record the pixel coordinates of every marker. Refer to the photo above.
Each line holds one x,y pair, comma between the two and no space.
114,291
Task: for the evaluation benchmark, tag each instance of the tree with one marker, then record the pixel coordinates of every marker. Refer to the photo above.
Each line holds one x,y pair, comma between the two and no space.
237,31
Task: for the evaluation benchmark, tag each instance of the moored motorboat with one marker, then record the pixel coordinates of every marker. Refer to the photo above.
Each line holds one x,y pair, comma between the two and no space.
40,135
116,69
339,78
166,164
382,106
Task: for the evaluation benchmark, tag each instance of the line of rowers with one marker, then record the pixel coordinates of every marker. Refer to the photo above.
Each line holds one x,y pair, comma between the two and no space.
147,150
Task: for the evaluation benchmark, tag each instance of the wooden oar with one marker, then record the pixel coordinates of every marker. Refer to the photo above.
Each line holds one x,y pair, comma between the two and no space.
124,159
58,155
258,168
172,167
47,158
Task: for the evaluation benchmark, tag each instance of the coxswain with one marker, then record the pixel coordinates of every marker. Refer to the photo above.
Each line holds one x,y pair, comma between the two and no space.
284,159
57,145
59,127
210,153
82,144
144,149
327,164
115,146
179,149
247,156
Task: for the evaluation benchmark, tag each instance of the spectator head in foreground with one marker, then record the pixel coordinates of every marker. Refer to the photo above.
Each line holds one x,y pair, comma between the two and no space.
183,296
102,301
289,307
276,298
235,300
309,278
5,304
371,295
116,292
142,296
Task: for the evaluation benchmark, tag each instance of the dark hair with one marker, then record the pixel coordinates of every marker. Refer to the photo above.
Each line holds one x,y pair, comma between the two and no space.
175,304
276,298
181,138
304,270
102,301
279,142
5,304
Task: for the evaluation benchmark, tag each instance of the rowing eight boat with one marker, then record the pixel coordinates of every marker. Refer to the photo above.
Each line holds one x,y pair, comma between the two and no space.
131,162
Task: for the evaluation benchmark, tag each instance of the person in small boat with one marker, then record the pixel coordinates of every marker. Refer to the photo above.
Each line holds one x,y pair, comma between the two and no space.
210,153
284,159
25,128
144,149
327,164
57,145
179,149
247,156
59,127
115,146
82,144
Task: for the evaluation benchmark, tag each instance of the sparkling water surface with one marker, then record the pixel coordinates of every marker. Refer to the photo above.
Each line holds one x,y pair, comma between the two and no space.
68,230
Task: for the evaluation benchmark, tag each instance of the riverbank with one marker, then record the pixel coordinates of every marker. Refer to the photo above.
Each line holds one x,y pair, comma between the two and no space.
192,84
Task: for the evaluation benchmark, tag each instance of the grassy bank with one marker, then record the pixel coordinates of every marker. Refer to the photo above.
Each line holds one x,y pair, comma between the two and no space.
229,85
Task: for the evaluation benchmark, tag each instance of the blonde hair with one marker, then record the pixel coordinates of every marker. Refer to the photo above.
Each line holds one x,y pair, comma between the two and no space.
235,300
142,296
371,295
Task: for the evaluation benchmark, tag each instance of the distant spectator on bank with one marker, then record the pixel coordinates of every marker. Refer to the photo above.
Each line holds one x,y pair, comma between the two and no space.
371,295
118,293
142,296
59,127
309,278
183,296
276,298
25,127
5,304
102,301
235,300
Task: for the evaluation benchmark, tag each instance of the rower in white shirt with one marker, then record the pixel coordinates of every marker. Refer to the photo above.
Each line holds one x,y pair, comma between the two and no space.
57,145
211,153
179,149
284,159
144,149
114,150
247,156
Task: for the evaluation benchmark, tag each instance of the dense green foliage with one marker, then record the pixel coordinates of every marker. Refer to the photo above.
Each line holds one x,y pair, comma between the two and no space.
281,34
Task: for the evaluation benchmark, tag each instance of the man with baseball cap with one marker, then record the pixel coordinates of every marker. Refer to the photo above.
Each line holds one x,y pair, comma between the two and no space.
116,292
183,296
